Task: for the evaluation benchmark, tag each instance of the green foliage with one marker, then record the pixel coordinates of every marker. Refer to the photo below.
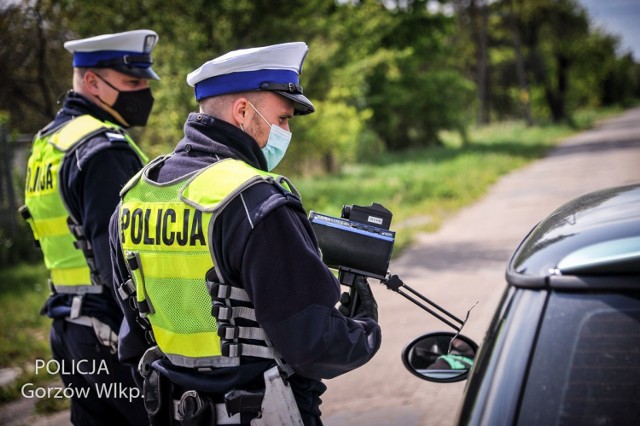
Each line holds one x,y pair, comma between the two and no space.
399,72
336,134
33,72
415,93
569,64
385,76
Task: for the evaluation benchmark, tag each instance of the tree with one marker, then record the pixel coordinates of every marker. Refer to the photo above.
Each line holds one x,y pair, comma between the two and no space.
520,66
555,30
31,68
473,21
417,91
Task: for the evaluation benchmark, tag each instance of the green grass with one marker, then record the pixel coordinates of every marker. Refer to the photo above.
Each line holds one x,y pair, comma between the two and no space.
23,332
424,187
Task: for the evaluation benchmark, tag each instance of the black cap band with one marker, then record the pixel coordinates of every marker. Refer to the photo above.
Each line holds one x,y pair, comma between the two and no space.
282,87
125,60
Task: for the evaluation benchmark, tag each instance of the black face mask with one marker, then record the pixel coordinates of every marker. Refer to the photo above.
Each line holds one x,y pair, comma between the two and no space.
133,106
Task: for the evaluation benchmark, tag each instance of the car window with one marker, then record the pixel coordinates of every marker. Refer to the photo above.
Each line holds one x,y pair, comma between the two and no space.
586,365
499,369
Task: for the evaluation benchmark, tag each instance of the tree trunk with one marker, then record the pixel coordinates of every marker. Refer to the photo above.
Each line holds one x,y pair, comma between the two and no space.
556,97
479,15
520,69
330,163
43,73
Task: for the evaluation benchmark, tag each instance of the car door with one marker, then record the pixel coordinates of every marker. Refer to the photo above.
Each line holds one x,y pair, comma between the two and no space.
496,380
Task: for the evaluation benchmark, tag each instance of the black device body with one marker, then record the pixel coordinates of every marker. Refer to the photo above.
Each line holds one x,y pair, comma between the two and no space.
359,242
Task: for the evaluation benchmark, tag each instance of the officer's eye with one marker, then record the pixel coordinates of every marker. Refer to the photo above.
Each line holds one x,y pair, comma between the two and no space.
135,83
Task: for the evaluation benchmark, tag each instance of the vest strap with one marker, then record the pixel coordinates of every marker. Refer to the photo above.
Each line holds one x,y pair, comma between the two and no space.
144,307
82,243
126,289
231,349
228,313
220,291
75,131
229,332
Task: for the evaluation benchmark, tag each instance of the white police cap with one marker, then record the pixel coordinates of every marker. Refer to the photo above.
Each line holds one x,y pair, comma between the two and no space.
274,68
128,52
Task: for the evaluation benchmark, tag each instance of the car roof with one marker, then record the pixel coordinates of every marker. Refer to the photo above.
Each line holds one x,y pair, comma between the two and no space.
594,235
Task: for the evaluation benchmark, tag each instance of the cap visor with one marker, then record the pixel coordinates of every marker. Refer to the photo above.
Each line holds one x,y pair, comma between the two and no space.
301,104
148,73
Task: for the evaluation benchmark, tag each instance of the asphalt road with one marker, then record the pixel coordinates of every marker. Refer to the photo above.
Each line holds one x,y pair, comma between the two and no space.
461,264
464,263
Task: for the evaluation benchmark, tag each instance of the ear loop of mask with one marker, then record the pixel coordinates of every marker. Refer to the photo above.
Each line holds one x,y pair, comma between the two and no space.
108,84
261,116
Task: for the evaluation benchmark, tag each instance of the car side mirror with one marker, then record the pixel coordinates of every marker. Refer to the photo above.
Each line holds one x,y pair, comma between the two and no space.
440,357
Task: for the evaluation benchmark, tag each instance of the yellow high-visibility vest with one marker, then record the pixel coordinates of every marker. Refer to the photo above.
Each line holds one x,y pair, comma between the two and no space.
164,235
45,210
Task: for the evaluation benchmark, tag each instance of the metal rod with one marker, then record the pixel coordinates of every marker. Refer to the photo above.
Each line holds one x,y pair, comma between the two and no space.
444,311
426,308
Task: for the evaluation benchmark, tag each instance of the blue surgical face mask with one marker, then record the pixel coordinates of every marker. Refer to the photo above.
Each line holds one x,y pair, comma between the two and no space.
277,143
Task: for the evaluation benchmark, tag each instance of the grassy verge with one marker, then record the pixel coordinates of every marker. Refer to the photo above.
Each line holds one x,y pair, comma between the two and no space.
424,187
24,333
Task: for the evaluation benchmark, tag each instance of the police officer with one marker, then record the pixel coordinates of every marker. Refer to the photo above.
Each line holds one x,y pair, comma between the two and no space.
215,256
79,162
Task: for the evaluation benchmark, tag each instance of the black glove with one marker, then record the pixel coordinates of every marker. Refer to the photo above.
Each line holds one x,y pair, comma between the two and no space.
362,296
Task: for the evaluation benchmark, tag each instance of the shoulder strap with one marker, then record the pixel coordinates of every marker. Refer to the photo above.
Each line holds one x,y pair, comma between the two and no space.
134,180
77,130
216,185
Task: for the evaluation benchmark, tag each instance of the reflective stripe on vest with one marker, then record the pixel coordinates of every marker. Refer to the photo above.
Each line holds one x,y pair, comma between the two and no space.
166,228
47,215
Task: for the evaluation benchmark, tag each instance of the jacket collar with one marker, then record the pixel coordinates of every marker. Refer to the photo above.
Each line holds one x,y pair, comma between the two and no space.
206,135
76,105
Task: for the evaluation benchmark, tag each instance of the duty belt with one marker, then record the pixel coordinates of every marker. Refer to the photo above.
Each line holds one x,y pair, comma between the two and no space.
105,335
237,408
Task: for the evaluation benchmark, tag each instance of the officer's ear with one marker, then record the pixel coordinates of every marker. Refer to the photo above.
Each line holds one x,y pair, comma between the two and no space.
239,111
90,81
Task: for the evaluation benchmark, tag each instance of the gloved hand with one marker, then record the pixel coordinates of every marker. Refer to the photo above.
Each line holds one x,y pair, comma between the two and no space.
366,305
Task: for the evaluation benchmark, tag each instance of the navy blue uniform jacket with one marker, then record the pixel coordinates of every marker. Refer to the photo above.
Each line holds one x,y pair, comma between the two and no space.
269,249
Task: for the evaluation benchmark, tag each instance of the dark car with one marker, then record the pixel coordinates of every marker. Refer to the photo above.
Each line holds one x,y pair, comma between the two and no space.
564,344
